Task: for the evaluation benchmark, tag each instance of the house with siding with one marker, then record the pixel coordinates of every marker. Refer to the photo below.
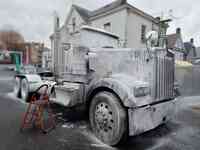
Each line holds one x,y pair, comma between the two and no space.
129,23
176,44
190,50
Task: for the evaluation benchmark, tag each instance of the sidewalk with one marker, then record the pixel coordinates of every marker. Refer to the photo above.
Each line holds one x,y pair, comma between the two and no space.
189,101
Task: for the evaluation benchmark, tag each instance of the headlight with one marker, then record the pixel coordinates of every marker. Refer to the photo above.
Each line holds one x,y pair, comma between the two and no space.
141,91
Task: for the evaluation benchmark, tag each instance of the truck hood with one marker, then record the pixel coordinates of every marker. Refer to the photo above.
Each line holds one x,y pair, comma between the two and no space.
130,83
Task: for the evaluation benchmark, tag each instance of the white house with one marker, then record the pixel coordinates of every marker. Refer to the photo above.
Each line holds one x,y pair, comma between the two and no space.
175,43
119,17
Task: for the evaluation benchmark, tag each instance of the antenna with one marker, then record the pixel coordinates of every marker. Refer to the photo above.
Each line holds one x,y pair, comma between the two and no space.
167,15
171,15
56,21
162,15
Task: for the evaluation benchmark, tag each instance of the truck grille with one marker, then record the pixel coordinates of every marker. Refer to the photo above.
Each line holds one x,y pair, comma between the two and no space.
164,77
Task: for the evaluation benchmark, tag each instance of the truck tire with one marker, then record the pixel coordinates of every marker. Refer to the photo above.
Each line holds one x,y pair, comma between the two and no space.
17,84
108,118
24,90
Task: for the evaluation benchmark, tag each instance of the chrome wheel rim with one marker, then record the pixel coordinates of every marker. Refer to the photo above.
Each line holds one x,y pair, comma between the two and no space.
104,119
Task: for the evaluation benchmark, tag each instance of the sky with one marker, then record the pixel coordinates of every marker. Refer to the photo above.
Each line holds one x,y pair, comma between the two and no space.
34,19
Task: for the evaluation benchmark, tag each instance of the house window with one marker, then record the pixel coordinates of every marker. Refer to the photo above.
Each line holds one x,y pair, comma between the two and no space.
74,24
107,26
143,32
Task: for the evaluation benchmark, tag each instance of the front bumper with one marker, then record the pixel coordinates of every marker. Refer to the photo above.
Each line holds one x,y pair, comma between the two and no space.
145,118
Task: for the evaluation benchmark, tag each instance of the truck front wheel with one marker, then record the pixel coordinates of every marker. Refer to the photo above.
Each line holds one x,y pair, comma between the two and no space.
108,118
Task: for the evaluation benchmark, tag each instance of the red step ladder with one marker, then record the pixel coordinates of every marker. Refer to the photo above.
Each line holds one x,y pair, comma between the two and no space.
35,115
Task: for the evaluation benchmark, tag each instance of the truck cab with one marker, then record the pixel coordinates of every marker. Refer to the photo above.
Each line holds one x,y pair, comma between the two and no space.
123,88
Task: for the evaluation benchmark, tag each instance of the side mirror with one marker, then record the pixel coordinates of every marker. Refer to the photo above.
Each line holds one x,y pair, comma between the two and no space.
152,38
151,41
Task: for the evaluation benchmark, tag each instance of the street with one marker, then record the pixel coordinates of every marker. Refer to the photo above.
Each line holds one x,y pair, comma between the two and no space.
73,133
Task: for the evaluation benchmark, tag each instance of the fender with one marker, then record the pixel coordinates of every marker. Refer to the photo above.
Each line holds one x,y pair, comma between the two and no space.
51,85
34,80
122,85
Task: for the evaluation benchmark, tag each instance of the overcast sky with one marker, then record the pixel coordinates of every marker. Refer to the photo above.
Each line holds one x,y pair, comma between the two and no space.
34,19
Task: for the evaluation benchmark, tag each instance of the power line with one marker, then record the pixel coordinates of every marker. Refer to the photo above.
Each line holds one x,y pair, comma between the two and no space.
167,15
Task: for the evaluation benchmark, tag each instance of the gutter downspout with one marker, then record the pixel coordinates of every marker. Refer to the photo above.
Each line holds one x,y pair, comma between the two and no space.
126,29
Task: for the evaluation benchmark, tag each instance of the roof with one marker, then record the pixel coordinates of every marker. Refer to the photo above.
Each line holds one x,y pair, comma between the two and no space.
108,7
87,14
100,31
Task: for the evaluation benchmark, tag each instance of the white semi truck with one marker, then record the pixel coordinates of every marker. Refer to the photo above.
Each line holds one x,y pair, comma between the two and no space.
126,91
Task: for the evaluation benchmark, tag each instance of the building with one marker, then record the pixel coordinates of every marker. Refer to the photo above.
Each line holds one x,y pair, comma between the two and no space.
33,53
175,43
46,58
198,51
2,45
190,50
124,20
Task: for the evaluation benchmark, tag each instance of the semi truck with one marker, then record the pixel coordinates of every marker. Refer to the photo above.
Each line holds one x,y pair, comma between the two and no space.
126,91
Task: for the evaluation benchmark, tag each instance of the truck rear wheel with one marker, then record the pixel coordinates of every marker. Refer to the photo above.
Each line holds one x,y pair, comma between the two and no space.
24,89
108,118
17,85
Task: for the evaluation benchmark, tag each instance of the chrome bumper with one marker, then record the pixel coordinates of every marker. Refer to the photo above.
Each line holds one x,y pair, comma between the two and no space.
143,119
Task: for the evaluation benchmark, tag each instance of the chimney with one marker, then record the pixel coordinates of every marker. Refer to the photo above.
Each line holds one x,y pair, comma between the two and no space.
178,31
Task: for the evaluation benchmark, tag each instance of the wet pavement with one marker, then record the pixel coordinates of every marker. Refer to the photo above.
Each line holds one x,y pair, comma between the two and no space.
6,81
73,132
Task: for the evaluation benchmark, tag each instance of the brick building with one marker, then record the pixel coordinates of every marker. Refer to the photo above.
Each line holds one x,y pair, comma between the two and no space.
33,53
